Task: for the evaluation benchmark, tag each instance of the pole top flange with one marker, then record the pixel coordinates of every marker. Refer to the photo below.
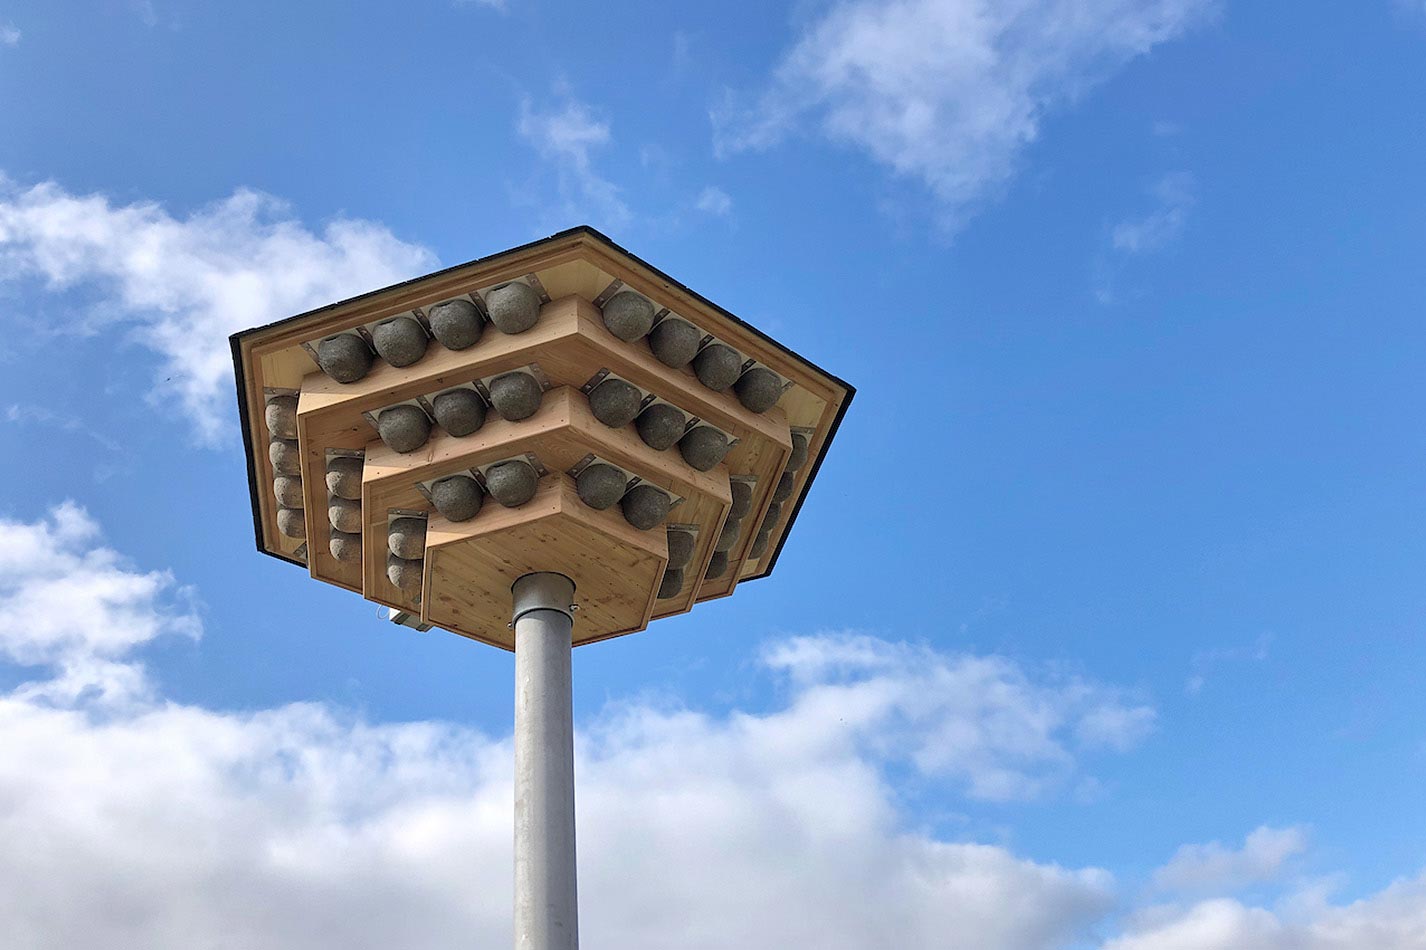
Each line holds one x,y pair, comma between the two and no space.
545,590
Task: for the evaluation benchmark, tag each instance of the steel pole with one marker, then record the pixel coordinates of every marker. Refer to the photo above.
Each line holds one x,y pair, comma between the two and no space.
546,905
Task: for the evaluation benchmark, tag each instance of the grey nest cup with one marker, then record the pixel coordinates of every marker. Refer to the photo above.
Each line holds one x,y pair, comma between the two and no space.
403,573
456,324
645,507
774,511
615,402
282,417
516,395
457,498
459,411
291,522
703,447
742,499
785,484
512,483
717,566
287,489
344,514
680,548
344,476
628,316
403,428
344,357
406,537
513,308
717,366
672,583
675,342
732,530
285,458
799,452
760,543
400,341
344,547
758,389
661,425
600,486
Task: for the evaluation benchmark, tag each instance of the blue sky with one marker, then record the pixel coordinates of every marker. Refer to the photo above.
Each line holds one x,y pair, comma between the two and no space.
1127,657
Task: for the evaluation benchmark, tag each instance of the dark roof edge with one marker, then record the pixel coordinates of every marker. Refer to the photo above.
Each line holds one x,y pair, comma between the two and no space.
807,486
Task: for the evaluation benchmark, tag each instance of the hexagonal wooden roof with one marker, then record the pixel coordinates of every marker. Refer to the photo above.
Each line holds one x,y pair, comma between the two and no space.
300,424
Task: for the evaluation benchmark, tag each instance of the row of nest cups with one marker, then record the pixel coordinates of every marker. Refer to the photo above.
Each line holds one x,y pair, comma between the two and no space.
517,395
458,323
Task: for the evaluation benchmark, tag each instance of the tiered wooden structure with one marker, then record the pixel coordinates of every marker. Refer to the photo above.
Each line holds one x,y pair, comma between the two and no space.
468,566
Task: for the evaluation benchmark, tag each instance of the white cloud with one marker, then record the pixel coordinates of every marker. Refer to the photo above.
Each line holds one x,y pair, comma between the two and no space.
164,825
1393,919
949,92
146,12
1205,661
981,720
1173,196
69,602
156,824
10,34
1216,868
47,418
566,138
185,283
715,201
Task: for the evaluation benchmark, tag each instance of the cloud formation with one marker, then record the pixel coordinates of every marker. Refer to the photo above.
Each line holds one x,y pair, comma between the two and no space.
566,138
979,720
948,92
1214,867
70,603
135,821
156,824
1173,196
715,201
184,283
1393,919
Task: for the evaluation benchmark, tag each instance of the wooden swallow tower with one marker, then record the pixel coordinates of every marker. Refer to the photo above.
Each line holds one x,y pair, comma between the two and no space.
550,446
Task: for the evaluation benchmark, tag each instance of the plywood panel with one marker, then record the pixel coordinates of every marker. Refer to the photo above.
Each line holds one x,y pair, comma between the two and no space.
470,566
561,434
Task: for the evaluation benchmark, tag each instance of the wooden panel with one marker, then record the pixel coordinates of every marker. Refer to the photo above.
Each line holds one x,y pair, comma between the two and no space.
421,293
563,432
254,406
470,566
579,278
748,343
442,368
569,344
821,431
315,435
285,369
766,460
